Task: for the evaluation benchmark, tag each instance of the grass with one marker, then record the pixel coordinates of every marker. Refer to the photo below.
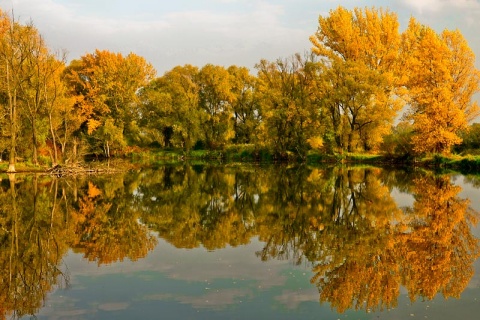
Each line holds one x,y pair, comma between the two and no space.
249,153
464,164
23,167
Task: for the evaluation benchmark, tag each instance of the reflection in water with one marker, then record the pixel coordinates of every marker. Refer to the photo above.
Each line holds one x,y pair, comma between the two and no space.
361,244
428,249
32,243
438,247
41,217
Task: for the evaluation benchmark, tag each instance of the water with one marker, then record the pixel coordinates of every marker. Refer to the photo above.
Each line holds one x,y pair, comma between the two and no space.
241,242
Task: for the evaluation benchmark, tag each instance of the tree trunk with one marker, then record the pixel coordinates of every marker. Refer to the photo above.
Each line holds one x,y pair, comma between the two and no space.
75,144
52,132
350,142
34,144
13,122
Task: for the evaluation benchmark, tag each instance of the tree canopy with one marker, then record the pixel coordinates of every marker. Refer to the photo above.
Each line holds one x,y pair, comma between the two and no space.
344,95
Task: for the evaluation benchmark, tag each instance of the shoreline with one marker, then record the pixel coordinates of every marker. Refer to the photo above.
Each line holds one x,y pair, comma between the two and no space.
462,164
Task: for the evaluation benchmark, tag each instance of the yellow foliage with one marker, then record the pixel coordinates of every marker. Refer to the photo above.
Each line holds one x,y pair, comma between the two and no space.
93,191
92,125
441,82
315,142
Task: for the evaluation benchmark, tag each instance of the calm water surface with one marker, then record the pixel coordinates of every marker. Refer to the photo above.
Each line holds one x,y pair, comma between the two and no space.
241,242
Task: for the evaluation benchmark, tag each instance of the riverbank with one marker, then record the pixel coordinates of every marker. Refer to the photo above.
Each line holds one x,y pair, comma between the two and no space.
85,168
146,157
464,164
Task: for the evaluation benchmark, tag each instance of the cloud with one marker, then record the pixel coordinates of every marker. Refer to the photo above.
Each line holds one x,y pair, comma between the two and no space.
423,6
169,38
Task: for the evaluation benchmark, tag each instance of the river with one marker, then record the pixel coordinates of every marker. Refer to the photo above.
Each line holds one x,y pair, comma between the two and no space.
241,242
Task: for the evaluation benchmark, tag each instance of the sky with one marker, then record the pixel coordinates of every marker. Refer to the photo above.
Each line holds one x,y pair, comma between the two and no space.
168,33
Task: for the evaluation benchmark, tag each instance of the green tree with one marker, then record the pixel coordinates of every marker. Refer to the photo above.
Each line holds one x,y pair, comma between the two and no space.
170,114
470,139
215,100
246,107
290,113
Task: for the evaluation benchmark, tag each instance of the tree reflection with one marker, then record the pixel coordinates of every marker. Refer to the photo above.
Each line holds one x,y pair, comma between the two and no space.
32,243
356,264
435,240
105,227
343,221
41,217
428,249
197,208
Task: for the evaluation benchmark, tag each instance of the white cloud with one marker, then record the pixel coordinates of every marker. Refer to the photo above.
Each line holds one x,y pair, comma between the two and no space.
169,38
437,5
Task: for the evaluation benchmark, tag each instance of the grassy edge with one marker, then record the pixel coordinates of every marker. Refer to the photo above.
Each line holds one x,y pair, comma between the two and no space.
251,154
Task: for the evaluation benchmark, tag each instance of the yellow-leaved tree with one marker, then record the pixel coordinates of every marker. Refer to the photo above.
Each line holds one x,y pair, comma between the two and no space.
106,85
359,49
440,81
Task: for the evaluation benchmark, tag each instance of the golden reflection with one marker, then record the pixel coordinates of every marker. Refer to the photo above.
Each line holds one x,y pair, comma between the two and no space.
429,249
435,240
32,244
343,221
106,228
41,217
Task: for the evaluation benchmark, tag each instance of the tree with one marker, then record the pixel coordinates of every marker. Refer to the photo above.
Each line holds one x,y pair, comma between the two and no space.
107,85
89,105
441,82
359,51
247,113
290,113
56,102
39,94
17,43
470,139
170,113
215,100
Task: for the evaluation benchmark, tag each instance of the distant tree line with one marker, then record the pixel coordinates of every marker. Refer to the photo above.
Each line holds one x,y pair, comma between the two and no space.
361,75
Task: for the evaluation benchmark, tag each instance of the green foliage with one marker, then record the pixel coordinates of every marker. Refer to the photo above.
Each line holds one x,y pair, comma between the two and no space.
470,140
215,100
399,142
290,115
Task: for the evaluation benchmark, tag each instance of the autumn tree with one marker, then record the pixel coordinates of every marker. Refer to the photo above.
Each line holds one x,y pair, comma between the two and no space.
170,114
246,106
215,100
40,96
18,44
107,86
441,81
290,116
359,51
89,105
57,104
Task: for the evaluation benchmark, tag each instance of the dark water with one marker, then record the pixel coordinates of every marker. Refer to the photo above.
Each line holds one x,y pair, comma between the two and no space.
241,242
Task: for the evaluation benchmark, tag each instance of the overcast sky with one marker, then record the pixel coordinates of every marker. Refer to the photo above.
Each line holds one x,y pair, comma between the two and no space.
225,32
